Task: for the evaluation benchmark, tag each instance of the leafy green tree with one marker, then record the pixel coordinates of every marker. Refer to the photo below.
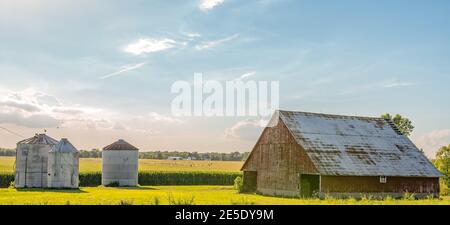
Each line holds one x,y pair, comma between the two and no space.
403,124
442,162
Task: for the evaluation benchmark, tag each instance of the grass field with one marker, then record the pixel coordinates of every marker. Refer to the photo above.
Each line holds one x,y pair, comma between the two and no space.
165,195
93,165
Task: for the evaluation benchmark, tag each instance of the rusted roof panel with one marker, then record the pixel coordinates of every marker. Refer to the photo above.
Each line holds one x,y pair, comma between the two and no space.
39,139
120,145
356,146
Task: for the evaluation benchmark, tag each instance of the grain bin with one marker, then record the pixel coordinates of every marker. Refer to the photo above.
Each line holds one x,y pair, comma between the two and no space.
31,161
120,164
63,165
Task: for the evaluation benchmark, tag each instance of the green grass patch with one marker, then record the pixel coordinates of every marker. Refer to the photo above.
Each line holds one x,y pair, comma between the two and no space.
175,195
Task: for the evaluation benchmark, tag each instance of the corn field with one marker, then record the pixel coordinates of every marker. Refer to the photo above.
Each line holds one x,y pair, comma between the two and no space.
92,179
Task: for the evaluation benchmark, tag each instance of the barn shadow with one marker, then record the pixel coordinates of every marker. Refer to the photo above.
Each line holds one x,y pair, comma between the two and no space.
50,190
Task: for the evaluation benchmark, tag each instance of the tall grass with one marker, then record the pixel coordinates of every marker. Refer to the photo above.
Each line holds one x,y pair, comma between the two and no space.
181,200
126,202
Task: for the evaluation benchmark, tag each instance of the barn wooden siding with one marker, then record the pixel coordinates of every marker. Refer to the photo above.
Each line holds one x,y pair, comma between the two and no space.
250,178
278,160
342,185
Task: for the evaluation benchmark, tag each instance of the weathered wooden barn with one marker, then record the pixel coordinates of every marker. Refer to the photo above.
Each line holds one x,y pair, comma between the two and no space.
308,154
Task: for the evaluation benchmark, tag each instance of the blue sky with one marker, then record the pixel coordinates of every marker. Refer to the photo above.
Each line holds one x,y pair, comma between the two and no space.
344,57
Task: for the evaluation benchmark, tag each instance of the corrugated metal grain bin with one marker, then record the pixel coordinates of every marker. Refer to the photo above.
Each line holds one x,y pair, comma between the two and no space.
31,161
63,165
120,164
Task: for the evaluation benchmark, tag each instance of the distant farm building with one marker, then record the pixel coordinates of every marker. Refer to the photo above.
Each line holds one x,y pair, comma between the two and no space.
174,158
31,161
307,154
120,164
63,165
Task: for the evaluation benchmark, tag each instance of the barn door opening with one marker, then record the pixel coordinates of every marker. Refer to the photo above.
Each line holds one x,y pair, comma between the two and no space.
250,179
309,185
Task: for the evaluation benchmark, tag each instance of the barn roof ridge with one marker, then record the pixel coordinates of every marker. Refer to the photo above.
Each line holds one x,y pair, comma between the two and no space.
331,115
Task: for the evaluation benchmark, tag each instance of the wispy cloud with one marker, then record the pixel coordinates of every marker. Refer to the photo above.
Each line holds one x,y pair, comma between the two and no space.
148,45
163,118
124,69
398,84
193,35
206,5
246,75
376,86
212,44
25,106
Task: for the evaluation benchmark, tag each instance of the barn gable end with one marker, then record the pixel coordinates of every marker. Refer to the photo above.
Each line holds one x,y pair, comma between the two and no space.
278,160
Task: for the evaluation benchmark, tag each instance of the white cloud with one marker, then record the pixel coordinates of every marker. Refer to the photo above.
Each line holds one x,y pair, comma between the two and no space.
37,120
124,69
206,5
432,141
246,75
163,118
193,35
148,45
67,110
212,44
45,99
20,105
35,109
119,126
248,129
398,84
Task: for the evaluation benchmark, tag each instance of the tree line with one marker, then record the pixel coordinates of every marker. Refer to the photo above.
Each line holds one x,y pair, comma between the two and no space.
7,152
213,156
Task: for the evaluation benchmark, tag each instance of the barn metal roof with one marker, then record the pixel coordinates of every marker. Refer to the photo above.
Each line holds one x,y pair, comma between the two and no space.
64,146
120,145
39,139
356,146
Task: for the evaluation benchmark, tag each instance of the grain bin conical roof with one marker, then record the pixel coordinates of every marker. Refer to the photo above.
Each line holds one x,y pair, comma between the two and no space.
64,146
39,139
120,145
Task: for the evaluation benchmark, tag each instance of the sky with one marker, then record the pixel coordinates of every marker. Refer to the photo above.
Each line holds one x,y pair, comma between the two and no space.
97,71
